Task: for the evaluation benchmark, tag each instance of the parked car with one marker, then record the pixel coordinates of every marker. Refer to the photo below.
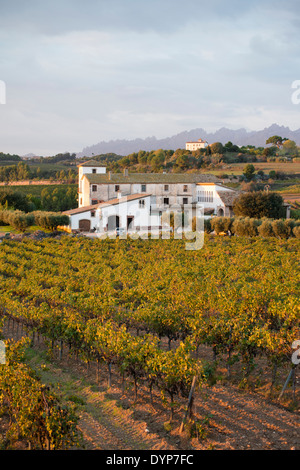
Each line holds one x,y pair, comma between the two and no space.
120,231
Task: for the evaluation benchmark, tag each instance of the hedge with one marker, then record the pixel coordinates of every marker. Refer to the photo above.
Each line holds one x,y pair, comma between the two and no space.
20,220
251,227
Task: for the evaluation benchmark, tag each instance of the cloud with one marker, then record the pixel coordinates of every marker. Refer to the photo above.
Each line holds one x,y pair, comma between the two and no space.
77,73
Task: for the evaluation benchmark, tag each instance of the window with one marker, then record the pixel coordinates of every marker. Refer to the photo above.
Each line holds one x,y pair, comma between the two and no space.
94,170
166,201
94,187
93,213
205,196
185,200
143,188
185,188
94,201
142,203
117,188
166,187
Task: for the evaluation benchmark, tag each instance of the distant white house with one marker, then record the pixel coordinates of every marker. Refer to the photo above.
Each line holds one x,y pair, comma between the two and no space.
199,144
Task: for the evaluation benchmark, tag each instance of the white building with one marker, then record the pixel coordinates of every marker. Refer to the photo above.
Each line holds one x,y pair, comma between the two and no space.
199,144
136,201
132,213
217,199
96,185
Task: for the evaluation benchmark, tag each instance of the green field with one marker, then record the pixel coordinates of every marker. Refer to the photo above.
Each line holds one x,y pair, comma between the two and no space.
237,168
36,189
49,166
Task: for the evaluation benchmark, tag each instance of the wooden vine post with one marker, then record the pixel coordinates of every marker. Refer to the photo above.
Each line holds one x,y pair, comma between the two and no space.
190,404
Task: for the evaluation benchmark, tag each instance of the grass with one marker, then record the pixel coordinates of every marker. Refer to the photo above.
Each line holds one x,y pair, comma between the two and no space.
48,166
292,189
68,386
36,189
237,168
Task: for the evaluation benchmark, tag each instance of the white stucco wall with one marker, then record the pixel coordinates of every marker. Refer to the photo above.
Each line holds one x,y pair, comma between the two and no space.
85,170
75,218
141,215
210,191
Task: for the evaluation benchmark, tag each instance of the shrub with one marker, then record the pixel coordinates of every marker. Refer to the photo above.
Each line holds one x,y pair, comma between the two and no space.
220,224
290,224
17,219
20,221
296,231
246,227
50,220
266,228
283,228
4,217
206,225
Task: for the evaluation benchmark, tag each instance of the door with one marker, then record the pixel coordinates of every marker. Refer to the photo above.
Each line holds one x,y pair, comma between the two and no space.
84,225
130,222
113,222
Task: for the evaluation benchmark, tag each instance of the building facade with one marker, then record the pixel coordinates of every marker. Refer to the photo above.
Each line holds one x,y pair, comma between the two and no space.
133,213
170,189
136,201
199,144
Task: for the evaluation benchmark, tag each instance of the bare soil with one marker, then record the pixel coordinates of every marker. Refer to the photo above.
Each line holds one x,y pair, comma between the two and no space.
228,417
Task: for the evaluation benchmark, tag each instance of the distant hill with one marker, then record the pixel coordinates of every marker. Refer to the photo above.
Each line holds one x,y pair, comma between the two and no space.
238,137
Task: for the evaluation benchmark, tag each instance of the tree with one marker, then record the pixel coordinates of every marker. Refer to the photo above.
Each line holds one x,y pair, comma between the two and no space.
270,151
259,204
216,147
249,171
182,161
230,147
276,140
14,200
290,147
157,162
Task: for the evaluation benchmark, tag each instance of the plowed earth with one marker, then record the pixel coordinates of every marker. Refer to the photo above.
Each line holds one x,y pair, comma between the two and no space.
110,419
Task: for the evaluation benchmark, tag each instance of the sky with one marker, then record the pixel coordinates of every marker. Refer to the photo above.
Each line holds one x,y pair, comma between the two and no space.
76,73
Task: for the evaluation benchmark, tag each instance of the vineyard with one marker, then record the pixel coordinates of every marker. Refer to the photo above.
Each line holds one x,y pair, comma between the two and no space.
156,314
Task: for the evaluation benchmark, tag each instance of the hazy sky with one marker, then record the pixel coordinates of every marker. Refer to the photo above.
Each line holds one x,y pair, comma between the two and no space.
79,72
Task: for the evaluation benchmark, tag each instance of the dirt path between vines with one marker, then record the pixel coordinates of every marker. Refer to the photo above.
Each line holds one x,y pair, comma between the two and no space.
237,420
229,418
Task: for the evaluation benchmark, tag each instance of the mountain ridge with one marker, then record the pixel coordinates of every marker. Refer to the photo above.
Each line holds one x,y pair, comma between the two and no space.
238,137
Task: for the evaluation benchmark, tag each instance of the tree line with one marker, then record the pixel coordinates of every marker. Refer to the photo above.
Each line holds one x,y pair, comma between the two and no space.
213,156
22,171
52,199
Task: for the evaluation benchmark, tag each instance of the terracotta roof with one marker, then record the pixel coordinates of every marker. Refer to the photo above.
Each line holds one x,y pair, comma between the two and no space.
117,200
78,210
217,184
141,178
108,203
228,197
